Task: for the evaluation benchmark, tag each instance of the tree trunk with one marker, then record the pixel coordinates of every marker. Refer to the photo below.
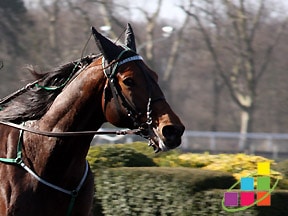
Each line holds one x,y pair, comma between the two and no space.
246,127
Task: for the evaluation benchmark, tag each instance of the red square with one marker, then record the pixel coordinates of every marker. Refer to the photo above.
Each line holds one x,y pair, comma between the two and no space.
266,201
247,198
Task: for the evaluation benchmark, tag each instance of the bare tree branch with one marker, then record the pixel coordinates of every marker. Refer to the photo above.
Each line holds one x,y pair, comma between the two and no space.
150,26
256,20
82,12
174,50
213,52
270,49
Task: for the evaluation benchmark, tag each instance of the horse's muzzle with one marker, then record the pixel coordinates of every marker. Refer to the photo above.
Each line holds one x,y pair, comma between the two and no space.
172,135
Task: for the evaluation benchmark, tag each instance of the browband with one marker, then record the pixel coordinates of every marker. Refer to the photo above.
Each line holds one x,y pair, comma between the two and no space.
133,58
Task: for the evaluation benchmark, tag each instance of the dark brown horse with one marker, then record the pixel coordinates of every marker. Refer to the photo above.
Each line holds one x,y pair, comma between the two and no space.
46,173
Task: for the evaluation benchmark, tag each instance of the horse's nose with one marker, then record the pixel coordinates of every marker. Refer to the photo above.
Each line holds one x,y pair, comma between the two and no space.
171,131
172,134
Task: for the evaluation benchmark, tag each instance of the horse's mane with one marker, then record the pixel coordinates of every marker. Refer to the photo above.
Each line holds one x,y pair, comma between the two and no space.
33,101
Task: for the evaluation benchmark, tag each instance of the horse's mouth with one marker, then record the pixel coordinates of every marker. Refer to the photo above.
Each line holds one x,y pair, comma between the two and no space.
156,142
169,137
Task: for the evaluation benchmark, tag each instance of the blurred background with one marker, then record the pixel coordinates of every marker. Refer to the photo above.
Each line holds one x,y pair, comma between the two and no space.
221,63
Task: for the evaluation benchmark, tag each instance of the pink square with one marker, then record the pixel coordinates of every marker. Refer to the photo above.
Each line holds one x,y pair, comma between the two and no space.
247,198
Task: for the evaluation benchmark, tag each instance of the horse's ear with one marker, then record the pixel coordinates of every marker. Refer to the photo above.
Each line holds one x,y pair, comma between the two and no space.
130,38
106,46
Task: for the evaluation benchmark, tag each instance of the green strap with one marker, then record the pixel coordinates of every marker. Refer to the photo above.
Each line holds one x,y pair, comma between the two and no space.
53,88
18,158
72,202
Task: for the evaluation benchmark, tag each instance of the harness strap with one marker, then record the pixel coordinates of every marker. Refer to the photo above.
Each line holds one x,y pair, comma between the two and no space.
72,193
18,161
18,158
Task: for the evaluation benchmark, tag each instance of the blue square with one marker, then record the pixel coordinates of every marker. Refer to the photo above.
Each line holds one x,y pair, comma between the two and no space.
247,184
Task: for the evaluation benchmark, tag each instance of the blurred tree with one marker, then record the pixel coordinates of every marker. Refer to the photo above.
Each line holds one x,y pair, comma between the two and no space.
52,12
231,31
11,19
14,23
151,24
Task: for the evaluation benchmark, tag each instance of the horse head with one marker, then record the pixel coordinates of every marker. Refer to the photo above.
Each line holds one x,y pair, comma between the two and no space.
132,97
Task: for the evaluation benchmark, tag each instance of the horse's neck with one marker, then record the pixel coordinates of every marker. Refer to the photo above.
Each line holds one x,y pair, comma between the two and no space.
77,108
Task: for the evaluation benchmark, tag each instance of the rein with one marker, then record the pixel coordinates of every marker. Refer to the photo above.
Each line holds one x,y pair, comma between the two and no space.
69,134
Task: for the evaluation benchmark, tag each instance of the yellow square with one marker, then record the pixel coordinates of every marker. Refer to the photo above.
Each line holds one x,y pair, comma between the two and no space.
263,168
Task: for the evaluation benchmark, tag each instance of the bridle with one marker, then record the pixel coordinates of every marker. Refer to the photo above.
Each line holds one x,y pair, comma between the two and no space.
117,94
110,71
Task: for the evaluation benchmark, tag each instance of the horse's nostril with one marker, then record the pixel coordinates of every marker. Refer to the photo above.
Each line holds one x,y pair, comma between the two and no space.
171,131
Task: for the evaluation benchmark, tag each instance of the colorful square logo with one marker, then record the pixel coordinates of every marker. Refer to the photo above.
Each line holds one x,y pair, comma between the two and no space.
248,194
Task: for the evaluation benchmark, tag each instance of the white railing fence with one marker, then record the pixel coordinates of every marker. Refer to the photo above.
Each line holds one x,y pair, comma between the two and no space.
271,145
105,139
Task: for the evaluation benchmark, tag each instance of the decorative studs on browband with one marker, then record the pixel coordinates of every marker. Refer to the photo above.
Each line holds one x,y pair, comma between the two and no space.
133,58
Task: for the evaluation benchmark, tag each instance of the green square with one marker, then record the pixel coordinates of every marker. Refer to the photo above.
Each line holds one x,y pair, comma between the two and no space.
263,183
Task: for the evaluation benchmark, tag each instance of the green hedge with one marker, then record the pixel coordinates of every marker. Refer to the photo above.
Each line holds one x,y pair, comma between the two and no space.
282,167
117,156
171,192
154,190
138,154
149,190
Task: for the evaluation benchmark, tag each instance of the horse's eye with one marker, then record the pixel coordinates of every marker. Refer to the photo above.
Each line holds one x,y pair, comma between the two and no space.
129,82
